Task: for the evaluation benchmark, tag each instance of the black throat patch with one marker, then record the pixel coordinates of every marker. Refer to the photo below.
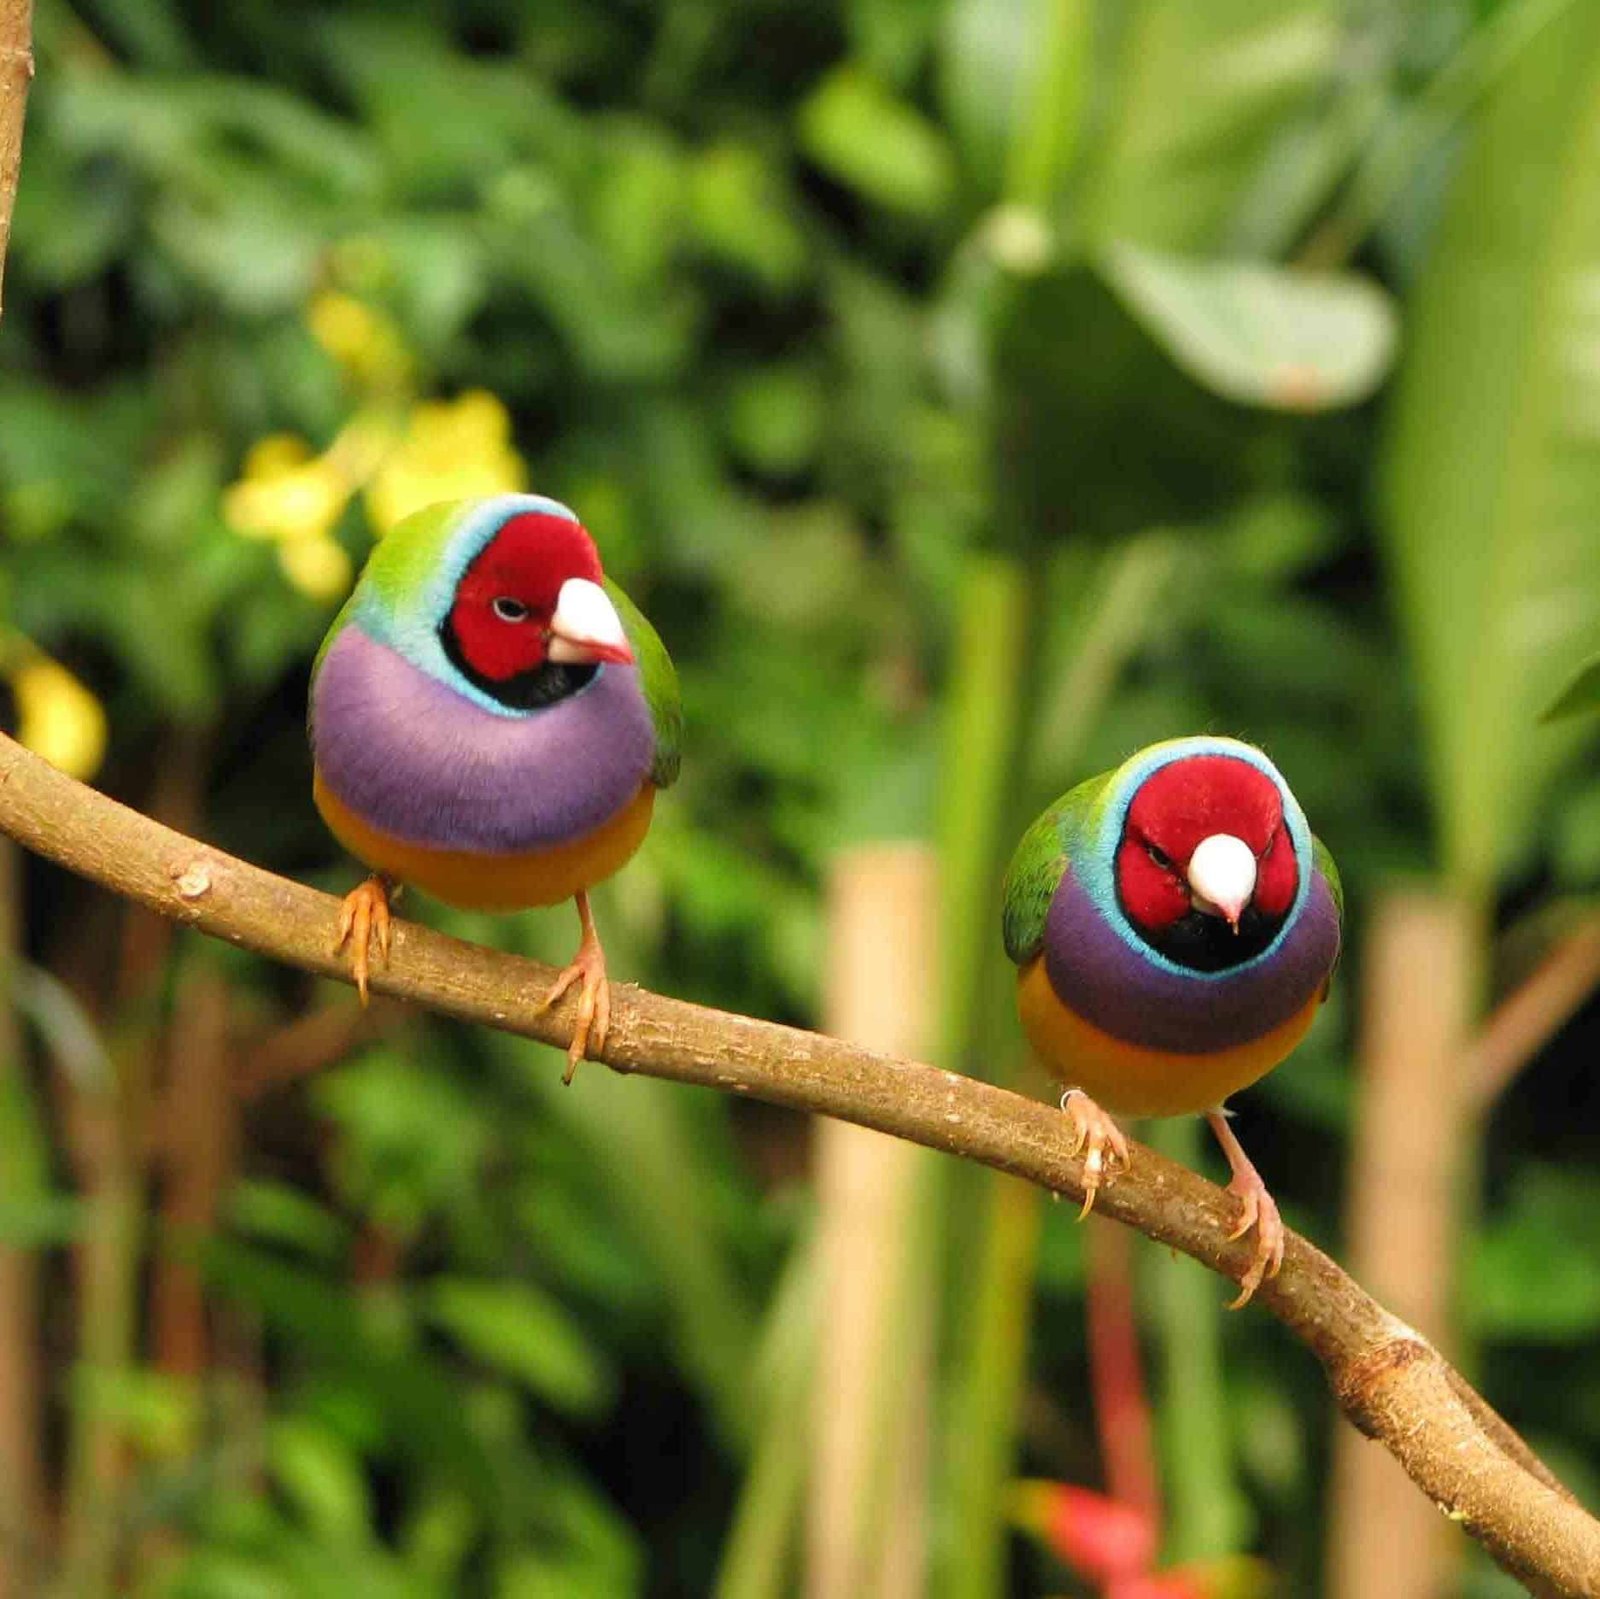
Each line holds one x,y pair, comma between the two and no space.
1206,943
545,685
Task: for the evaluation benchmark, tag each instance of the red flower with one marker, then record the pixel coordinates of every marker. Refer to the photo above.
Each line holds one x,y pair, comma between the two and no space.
1097,1537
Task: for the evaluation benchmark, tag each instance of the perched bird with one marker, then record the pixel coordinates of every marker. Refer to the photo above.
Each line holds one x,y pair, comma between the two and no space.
1175,924
490,720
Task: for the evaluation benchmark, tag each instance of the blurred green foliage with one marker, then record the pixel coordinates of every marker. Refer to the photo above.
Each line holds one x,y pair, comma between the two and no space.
810,307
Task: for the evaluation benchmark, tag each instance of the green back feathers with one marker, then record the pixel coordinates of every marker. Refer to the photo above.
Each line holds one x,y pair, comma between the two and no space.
658,679
1330,873
410,554
1040,862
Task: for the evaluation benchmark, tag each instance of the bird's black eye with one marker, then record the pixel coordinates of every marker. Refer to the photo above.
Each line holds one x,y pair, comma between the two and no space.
1158,855
508,609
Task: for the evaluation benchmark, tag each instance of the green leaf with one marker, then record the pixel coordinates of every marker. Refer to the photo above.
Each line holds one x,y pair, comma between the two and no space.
656,1160
276,1213
776,416
521,1331
1580,696
414,1139
865,136
1577,837
1493,478
323,1479
1534,1273
1201,96
740,212
417,1400
983,62
1014,76
1257,333
40,1221
159,1415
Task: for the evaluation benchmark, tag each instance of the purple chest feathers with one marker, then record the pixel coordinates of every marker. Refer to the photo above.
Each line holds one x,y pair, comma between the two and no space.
1110,983
423,763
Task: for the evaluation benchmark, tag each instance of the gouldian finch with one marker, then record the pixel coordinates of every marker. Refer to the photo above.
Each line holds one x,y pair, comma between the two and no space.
1175,925
490,720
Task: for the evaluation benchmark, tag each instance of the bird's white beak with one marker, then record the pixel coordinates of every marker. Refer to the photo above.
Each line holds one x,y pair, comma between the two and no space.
586,628
1222,877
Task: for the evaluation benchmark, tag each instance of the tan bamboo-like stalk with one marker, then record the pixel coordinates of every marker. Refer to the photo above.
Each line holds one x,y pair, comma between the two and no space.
867,1533
1412,1130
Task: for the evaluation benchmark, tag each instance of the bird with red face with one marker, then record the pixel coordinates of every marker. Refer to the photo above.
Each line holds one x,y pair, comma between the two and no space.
1175,925
490,720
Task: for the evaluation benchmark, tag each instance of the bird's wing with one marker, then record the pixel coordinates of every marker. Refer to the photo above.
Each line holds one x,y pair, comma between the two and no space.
1040,862
658,679
1323,860
1324,864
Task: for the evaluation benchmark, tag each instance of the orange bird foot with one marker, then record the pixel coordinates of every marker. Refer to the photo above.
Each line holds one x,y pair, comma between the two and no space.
1258,1209
363,919
588,968
1100,1141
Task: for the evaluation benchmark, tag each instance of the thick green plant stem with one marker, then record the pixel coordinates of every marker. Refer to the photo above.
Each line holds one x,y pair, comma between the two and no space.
982,732
987,716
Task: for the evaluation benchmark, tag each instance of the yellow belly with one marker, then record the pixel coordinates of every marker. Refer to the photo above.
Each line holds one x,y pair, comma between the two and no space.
1133,1080
494,882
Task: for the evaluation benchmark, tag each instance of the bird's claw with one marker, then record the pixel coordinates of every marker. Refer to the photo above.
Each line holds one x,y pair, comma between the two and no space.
1257,1209
363,920
593,1019
1099,1139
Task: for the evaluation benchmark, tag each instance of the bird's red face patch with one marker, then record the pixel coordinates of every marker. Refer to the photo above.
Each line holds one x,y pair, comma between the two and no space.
1184,802
500,620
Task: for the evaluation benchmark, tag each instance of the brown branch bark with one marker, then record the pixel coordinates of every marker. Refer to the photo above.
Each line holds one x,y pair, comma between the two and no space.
312,1042
1530,1016
16,73
1389,1380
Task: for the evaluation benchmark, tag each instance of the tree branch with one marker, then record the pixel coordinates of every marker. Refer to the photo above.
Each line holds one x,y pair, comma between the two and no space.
1530,1016
16,73
1389,1380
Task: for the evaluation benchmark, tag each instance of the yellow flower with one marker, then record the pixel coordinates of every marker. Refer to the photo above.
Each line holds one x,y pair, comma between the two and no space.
318,566
451,450
364,442
57,717
275,455
363,341
285,494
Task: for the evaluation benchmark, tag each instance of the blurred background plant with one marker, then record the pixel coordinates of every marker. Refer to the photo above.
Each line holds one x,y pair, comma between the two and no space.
971,391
